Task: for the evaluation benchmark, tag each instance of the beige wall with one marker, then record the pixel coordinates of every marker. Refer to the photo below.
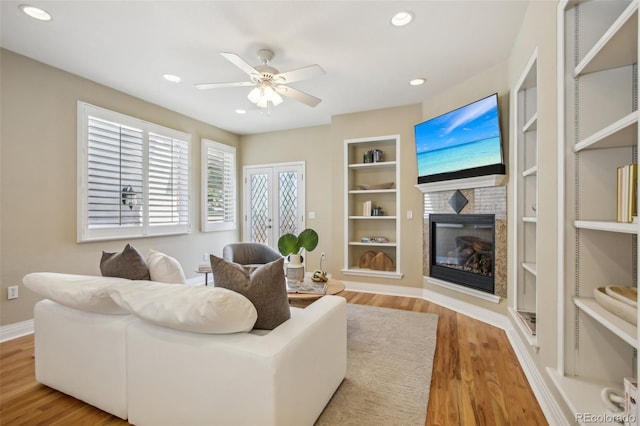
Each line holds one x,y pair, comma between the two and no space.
38,178
309,145
390,121
322,150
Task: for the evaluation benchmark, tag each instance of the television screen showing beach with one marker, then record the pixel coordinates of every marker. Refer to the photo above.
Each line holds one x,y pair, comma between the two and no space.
465,138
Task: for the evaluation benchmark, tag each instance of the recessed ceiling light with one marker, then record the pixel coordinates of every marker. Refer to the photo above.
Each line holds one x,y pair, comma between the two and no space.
172,78
401,19
35,12
418,81
241,111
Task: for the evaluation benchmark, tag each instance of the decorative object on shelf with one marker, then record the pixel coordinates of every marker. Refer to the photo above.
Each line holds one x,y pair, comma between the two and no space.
291,247
631,396
377,261
620,308
377,211
613,400
373,156
374,240
458,201
529,320
386,185
626,294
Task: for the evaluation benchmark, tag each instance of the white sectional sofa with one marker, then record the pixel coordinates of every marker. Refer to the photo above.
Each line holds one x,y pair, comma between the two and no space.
155,375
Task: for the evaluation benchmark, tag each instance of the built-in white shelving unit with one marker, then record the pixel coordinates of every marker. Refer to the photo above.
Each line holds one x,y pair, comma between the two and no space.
598,87
525,150
358,175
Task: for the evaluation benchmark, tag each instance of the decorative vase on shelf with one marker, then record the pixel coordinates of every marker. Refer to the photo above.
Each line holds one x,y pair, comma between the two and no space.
295,268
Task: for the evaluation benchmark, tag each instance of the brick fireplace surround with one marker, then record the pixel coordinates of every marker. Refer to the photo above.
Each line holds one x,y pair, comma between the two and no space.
489,200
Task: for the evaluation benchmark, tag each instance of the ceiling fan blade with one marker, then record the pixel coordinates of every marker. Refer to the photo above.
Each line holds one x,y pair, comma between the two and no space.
301,73
240,63
299,96
220,85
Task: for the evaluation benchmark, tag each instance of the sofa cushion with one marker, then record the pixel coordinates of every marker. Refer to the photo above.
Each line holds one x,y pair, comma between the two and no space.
164,268
196,309
83,292
265,287
129,263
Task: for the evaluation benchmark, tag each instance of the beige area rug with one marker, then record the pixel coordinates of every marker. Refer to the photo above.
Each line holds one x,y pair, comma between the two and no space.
390,357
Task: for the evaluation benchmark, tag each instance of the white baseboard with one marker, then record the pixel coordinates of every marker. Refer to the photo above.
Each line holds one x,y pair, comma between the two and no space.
548,404
391,290
13,331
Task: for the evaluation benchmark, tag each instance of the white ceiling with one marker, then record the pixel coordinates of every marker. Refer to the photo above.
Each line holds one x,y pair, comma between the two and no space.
129,45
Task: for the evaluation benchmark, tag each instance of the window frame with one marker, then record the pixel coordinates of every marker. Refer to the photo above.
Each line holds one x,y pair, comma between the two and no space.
233,186
116,232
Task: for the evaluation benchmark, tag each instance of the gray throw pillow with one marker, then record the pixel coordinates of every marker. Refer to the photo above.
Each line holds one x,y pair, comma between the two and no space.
264,286
129,263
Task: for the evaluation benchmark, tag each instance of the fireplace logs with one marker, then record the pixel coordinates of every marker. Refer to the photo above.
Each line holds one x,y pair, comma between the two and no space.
474,254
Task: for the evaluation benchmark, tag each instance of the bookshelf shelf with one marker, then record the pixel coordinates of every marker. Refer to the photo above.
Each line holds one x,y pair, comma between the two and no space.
361,204
598,136
525,295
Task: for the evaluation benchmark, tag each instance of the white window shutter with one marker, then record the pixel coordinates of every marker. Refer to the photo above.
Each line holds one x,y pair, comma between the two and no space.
115,174
219,185
133,177
168,181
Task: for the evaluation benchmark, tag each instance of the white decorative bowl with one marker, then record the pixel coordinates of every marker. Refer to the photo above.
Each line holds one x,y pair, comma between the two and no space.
616,307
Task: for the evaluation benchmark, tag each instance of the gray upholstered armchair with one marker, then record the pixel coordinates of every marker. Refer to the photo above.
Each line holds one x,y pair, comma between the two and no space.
249,253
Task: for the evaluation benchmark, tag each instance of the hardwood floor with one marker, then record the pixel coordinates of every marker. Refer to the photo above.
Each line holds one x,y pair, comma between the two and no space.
476,378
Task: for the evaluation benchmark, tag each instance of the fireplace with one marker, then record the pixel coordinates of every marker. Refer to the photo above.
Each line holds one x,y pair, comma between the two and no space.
462,249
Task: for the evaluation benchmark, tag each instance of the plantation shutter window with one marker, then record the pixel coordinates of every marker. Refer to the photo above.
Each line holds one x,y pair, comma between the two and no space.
133,177
168,181
219,186
115,163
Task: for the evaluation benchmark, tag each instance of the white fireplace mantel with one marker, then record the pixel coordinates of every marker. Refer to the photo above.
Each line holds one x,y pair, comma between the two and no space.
465,183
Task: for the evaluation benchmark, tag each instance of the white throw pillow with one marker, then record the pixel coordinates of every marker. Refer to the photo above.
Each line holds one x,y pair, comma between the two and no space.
198,309
164,268
84,292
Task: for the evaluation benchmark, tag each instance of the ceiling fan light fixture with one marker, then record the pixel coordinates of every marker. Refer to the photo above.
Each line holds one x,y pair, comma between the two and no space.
263,94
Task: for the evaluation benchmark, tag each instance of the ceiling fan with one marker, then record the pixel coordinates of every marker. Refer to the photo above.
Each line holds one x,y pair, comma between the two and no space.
268,82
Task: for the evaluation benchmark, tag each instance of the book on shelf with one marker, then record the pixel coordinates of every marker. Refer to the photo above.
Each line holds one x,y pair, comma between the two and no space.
366,208
307,286
627,193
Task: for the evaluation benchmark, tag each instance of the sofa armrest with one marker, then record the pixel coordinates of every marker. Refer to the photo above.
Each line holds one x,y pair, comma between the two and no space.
286,376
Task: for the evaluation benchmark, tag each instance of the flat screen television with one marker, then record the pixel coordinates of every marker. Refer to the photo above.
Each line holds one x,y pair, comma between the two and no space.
462,143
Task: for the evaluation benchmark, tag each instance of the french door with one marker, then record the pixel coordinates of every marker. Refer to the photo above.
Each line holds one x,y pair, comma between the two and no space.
273,202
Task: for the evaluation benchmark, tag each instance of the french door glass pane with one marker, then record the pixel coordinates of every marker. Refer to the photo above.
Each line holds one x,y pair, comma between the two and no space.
260,208
288,202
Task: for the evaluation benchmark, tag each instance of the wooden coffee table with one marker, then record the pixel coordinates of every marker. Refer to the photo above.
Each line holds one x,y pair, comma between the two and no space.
333,287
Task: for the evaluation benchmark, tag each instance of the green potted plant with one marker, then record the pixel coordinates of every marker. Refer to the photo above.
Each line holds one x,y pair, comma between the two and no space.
291,247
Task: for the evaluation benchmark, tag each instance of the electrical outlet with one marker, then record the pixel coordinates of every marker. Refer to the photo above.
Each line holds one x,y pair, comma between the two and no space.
205,257
322,256
12,292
